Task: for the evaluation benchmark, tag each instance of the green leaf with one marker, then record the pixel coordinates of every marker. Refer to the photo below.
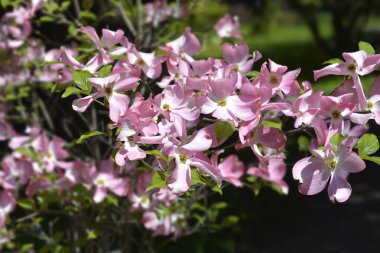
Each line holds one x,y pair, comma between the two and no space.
253,74
335,141
158,154
229,221
87,4
91,235
88,15
29,152
217,188
272,123
26,247
65,5
223,130
196,178
303,143
87,135
332,61
47,19
158,181
368,144
219,205
105,71
51,7
366,47
26,204
70,90
112,200
374,159
80,79
72,30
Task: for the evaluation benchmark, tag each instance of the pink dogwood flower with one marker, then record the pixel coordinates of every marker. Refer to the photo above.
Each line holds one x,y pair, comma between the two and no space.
190,155
15,173
106,180
223,103
177,107
315,172
305,108
356,64
7,205
150,64
228,27
183,47
236,56
232,169
337,109
111,88
105,46
281,81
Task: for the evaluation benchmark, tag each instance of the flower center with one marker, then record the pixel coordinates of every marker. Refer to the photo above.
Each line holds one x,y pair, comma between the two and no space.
140,62
183,158
237,68
49,155
108,91
370,105
166,107
101,182
273,80
16,178
222,102
177,75
352,67
335,114
331,164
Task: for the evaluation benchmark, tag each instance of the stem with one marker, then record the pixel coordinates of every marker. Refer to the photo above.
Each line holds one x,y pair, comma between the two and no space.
126,19
77,8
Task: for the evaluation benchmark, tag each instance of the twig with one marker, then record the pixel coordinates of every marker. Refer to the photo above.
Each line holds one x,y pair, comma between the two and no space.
126,19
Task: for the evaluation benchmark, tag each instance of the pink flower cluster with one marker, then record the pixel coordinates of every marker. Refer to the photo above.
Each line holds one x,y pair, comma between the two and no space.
159,11
180,121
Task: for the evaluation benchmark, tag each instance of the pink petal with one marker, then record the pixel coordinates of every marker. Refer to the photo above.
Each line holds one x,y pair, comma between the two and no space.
333,69
118,104
81,104
90,31
100,194
235,53
201,142
312,173
111,38
180,179
207,168
349,161
339,189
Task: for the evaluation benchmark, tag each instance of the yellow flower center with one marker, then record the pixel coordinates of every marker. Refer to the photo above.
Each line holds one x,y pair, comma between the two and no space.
331,164
166,106
370,105
101,182
49,155
183,158
222,102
